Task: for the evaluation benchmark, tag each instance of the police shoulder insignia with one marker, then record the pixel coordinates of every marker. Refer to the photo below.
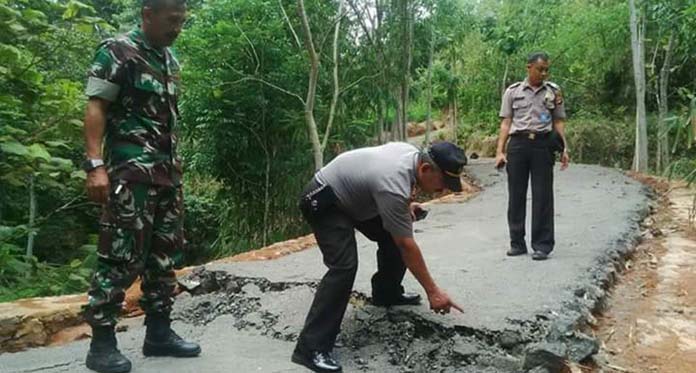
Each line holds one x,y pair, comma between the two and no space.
512,87
559,97
557,91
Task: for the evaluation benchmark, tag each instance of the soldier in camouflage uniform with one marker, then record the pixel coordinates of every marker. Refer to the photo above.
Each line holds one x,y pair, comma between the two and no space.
132,88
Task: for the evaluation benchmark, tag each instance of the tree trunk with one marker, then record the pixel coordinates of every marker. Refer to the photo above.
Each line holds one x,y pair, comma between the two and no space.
505,74
267,199
267,180
32,217
382,107
662,160
336,91
455,120
429,121
637,24
398,126
312,87
408,58
405,47
373,31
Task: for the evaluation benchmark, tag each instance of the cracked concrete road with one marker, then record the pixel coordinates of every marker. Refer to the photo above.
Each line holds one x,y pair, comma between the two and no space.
251,320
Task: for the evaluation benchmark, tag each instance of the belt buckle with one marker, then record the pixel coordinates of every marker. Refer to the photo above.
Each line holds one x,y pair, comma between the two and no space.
531,135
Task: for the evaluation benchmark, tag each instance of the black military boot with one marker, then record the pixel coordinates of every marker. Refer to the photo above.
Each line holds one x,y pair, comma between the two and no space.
103,356
161,340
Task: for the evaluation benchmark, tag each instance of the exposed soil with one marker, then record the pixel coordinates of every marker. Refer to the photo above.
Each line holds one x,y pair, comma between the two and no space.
395,337
650,320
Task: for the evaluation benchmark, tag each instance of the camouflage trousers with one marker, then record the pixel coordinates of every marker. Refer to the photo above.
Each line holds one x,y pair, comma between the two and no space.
141,234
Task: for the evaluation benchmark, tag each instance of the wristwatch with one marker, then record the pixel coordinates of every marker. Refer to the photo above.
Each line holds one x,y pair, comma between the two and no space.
90,164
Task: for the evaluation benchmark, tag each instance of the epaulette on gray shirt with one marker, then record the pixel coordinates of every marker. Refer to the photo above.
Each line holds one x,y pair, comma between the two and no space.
375,181
532,108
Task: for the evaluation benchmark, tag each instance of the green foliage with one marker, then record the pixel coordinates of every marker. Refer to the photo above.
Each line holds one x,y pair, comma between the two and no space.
22,277
683,128
243,121
601,140
27,278
43,55
244,139
235,127
204,203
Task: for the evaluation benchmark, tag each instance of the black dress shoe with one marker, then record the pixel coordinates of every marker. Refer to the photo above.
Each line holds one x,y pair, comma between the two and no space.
515,251
316,361
405,299
539,255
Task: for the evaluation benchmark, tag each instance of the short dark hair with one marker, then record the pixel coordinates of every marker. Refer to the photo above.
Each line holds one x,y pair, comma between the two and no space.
425,157
536,56
158,4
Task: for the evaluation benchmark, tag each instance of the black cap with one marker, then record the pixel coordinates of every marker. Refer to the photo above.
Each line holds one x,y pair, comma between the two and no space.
451,160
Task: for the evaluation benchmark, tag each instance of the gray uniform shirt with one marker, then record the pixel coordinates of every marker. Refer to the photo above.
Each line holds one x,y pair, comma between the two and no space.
532,109
375,181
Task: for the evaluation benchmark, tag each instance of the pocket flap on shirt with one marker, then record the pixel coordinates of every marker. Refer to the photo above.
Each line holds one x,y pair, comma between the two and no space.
520,104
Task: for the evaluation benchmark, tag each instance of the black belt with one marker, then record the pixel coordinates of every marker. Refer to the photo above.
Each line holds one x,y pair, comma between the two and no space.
531,135
317,197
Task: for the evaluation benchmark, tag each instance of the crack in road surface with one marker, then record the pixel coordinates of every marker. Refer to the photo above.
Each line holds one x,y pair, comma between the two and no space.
518,314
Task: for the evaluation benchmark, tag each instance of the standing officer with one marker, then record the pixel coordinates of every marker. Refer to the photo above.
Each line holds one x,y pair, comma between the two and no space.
531,111
133,87
370,190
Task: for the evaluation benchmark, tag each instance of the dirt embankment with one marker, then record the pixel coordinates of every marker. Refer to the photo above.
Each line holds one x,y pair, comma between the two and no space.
650,320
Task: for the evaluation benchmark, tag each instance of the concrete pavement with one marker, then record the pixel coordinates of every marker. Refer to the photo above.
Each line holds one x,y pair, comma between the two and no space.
518,312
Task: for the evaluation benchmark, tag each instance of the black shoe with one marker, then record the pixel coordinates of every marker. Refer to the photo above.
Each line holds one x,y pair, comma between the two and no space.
161,340
539,255
405,299
103,356
316,361
516,251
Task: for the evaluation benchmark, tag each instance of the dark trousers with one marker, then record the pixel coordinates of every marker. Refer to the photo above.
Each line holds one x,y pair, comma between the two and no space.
530,157
335,234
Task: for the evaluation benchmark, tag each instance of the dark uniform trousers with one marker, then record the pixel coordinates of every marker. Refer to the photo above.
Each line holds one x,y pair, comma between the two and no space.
533,157
335,233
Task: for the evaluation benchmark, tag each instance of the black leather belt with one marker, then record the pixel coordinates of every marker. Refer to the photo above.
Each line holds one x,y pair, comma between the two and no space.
531,135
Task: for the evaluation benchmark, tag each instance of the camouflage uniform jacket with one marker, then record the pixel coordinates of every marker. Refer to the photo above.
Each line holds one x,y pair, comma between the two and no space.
142,84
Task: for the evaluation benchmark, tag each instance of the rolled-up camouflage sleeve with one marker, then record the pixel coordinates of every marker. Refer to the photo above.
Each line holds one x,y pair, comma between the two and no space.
106,74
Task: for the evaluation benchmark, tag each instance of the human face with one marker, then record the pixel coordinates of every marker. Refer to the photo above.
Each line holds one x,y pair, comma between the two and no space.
537,72
163,25
430,179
